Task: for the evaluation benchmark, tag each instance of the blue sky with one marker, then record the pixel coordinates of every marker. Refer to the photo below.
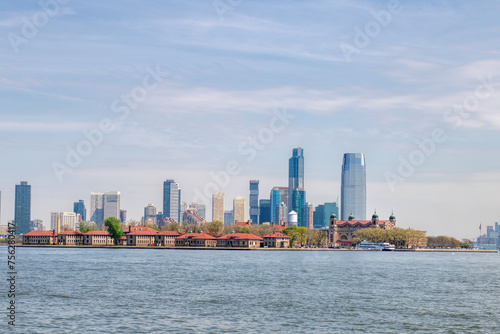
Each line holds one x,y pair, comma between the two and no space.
222,77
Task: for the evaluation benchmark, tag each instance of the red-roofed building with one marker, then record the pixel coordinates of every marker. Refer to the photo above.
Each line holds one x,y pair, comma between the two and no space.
340,232
166,238
244,224
97,238
141,236
247,240
70,238
40,238
196,240
277,240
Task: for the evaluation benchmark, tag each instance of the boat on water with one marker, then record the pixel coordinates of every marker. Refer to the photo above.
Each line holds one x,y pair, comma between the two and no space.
385,246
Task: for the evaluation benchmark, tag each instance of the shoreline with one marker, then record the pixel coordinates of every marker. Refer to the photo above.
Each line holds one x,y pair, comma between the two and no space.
269,249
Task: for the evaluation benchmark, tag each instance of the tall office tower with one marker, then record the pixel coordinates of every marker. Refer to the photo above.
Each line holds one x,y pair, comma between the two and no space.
111,204
278,195
200,208
36,225
295,175
123,216
79,208
96,208
323,212
307,215
60,221
264,211
239,209
353,188
150,213
298,202
254,201
218,206
228,217
22,212
282,213
172,200
183,208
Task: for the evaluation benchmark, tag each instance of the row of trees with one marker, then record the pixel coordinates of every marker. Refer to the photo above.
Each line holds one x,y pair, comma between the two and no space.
444,241
400,237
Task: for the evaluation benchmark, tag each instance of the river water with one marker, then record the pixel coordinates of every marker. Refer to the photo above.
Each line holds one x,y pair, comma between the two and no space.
217,291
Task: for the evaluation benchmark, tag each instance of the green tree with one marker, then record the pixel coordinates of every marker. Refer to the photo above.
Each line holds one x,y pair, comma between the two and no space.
113,226
87,227
245,230
214,228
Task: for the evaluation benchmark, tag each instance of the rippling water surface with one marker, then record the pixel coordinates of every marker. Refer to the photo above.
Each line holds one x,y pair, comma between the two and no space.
200,291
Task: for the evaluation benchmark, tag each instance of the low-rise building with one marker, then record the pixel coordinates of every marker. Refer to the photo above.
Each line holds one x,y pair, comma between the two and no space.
196,240
141,236
277,240
97,238
70,238
246,240
166,238
40,238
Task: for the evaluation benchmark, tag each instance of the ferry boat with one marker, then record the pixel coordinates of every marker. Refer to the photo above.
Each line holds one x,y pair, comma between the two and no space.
385,246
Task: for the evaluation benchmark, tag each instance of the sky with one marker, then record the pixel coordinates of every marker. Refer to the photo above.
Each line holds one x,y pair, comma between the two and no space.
122,95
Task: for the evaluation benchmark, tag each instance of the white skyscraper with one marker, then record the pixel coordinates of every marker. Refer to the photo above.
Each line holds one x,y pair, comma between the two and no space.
66,219
239,209
104,205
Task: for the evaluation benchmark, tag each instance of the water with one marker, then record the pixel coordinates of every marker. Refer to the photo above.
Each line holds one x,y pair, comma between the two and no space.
199,291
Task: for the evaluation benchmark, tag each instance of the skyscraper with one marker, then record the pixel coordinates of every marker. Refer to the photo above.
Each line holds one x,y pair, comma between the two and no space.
322,213
239,209
150,213
22,212
307,215
103,206
79,208
278,195
218,206
264,211
254,201
296,192
228,217
353,188
171,200
59,221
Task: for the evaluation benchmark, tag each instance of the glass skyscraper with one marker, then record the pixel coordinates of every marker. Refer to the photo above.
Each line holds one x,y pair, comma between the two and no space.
79,208
295,173
254,201
22,212
264,211
353,188
172,200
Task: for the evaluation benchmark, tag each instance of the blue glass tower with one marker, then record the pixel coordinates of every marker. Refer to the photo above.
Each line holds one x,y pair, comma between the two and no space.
22,212
79,208
353,188
296,192
171,200
254,201
264,211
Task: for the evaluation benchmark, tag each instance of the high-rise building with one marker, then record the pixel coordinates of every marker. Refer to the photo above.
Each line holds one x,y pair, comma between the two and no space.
36,225
278,195
239,209
103,206
22,212
200,208
295,174
184,207
353,188
79,208
172,200
228,217
218,206
298,202
308,215
60,221
282,213
264,211
322,213
123,216
254,201
150,213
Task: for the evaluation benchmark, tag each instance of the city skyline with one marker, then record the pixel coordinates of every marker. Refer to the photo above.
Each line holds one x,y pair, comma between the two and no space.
214,100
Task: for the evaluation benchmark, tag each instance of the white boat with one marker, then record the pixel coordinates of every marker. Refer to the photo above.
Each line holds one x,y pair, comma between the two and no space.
385,246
